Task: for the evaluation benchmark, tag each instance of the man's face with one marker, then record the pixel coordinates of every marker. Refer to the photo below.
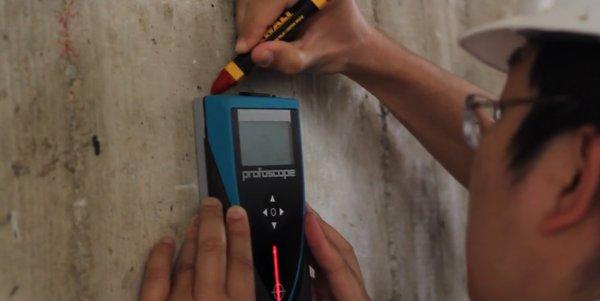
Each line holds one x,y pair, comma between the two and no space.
501,226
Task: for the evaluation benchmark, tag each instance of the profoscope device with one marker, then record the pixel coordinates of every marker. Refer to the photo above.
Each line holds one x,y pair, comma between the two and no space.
249,153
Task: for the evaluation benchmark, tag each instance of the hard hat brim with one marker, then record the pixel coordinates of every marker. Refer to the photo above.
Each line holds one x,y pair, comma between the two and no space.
494,43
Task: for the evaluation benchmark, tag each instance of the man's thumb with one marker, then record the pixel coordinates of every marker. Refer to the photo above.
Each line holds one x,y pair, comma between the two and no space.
282,56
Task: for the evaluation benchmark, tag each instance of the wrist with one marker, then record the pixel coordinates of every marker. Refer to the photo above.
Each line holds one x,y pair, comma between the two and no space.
360,55
377,56
340,54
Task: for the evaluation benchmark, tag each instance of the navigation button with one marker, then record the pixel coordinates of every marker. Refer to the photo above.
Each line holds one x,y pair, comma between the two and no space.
274,224
272,200
265,212
280,212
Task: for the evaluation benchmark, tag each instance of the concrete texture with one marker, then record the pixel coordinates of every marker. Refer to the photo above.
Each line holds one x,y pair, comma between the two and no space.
97,152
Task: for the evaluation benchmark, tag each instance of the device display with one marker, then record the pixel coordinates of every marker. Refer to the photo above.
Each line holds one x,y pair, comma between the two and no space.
249,154
265,137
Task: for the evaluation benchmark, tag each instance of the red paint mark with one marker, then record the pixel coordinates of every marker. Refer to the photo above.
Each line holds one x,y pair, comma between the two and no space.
276,271
64,20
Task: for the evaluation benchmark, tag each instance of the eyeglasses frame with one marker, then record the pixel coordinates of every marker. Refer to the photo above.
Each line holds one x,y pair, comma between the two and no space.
472,127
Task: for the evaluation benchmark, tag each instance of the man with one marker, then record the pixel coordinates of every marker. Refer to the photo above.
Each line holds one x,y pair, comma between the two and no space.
531,161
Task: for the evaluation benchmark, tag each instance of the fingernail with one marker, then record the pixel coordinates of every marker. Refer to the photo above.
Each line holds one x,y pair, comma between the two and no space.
311,210
311,218
266,60
167,240
209,202
235,212
240,46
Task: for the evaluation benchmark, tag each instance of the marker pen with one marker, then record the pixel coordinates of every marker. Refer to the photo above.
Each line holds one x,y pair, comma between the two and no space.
284,29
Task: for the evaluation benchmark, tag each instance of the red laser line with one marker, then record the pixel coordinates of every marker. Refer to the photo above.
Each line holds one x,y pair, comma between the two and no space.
276,270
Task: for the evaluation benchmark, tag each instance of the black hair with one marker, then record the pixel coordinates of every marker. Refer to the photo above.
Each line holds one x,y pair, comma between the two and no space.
566,67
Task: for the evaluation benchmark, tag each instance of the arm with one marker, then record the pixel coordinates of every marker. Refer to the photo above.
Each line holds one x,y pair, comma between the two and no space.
426,99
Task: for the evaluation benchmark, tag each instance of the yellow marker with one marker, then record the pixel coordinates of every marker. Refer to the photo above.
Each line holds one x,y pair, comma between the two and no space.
319,3
235,71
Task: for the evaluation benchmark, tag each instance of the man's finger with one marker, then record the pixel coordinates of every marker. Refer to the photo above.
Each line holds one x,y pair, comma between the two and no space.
258,16
341,279
341,245
240,271
156,282
240,12
319,285
285,57
320,290
211,259
184,268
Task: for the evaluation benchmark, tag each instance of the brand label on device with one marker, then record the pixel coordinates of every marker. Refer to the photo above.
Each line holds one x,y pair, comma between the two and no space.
270,173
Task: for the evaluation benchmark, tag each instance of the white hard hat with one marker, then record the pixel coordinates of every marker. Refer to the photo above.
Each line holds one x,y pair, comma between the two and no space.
494,43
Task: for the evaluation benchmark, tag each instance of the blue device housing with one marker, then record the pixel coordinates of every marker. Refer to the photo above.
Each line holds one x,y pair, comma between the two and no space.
219,131
216,135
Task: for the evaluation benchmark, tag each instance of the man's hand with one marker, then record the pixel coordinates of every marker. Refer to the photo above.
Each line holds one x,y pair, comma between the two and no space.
338,275
215,262
328,42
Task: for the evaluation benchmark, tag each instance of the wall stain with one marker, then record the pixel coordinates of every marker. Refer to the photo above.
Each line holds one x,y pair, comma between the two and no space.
20,169
5,221
387,181
143,19
64,20
96,145
49,167
129,279
14,291
375,6
168,11
77,117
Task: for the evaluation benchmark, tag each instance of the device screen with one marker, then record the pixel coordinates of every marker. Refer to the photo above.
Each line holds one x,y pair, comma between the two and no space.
265,137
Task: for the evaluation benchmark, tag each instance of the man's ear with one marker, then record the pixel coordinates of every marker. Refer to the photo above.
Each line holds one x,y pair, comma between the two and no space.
578,197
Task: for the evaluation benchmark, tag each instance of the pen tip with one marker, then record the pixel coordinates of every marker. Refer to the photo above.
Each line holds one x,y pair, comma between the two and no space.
223,82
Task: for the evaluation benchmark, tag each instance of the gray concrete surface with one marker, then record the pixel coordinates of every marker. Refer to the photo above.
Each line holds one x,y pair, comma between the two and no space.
76,225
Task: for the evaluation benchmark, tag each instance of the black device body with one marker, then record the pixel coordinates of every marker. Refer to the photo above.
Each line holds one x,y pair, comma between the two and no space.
252,156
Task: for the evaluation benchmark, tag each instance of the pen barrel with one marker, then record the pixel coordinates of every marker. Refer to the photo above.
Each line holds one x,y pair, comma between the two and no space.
244,62
287,25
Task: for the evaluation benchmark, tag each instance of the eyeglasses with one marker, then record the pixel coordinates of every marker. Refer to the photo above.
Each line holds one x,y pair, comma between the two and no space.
481,112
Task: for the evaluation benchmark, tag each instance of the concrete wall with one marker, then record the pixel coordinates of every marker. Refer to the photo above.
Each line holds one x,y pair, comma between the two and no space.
77,225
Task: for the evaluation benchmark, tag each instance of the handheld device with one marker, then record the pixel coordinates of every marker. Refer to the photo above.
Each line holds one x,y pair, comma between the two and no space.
249,153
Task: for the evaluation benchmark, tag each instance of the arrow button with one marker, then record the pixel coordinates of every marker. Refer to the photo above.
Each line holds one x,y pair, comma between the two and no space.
272,200
265,212
274,224
280,212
